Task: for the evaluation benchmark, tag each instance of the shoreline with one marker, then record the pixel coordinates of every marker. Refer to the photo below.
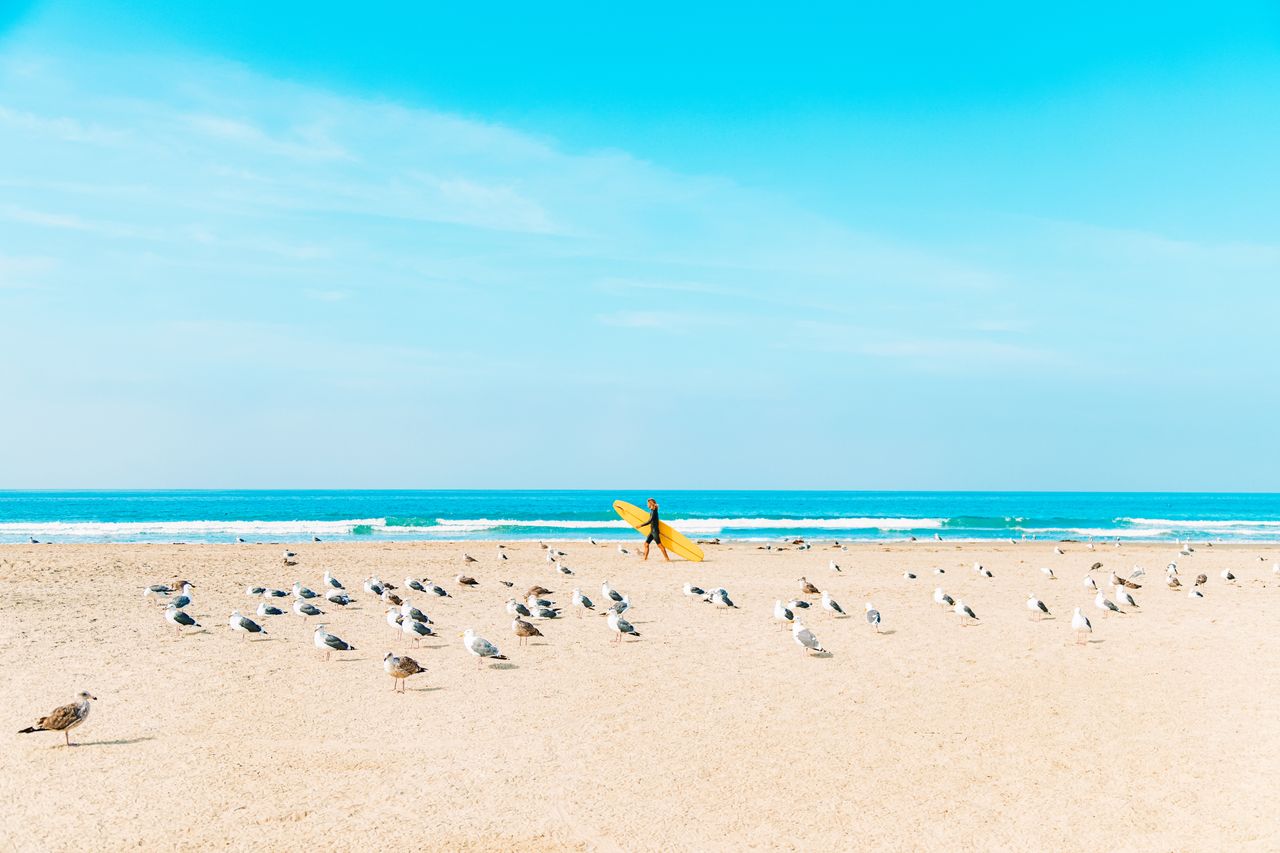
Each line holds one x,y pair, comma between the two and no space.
1002,734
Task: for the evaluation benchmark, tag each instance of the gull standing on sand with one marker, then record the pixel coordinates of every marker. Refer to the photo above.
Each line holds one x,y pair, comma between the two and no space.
623,551
829,603
408,611
1124,597
833,566
524,630
265,609
1195,592
782,614
415,585
415,630
805,638
608,593
808,588
435,589
873,616
1089,582
394,618
621,626
1227,576
373,587
179,619
622,606
1105,604
1048,572
692,591
338,597
183,598
940,597
965,612
330,643
720,598
244,625
400,668
301,591
1081,625
581,602
910,576
1036,606
331,581
64,718
480,647
515,608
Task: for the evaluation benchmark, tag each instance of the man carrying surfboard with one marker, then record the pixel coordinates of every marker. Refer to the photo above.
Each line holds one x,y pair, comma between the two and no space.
655,532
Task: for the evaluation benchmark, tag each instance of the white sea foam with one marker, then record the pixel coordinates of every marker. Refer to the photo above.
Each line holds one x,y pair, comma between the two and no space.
179,529
1198,524
692,525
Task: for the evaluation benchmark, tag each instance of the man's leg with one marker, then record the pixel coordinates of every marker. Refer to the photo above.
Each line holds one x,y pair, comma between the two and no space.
646,550
663,549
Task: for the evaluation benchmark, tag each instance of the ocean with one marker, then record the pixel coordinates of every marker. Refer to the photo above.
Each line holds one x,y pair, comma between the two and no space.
297,516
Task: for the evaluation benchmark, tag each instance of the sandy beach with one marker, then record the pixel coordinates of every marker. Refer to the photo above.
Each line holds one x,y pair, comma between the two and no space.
712,731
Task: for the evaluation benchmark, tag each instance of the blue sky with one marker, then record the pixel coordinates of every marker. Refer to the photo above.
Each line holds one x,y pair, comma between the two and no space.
426,245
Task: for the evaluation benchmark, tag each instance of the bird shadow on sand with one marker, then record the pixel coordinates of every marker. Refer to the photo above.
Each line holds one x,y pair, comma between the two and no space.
888,632
507,665
1095,642
822,655
350,660
423,689
120,742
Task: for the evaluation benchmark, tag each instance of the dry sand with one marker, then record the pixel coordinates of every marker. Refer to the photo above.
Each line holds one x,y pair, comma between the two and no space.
713,731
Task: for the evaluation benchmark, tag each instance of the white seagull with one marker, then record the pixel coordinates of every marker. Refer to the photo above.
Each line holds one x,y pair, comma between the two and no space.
1036,606
965,612
1105,604
330,643
940,597
873,617
1081,625
244,625
621,626
829,603
1124,596
1048,572
480,647
179,619
581,602
805,638
782,614
331,581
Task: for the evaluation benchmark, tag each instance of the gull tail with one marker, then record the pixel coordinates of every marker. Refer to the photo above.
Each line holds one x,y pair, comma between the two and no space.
29,729
498,657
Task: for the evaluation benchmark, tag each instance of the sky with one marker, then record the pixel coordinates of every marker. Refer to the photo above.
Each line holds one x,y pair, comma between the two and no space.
552,246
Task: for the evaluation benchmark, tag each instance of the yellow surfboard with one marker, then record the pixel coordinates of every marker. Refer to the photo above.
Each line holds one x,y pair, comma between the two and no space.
675,541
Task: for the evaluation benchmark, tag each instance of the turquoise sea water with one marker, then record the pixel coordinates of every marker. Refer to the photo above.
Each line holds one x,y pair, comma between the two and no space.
295,516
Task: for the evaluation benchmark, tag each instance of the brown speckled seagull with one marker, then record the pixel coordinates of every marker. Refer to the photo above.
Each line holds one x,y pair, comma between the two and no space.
65,718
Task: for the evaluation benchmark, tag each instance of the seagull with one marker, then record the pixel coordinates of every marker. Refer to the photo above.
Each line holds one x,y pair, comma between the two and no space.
157,589
984,571
910,576
939,571
502,556
1171,569
808,588
538,589
183,598
436,589
265,609
621,626
805,638
480,647
289,555
338,597
1058,551
873,617
255,591
303,592
829,603
1227,576
1105,604
467,558
798,604
692,591
592,541
534,601
622,606
581,602
609,593
940,597
64,718
623,551
415,630
394,618
389,597
1174,583
1081,625
276,593
408,611
833,566
563,569
1124,597
243,624
330,643
373,587
179,619
782,614
464,580
1202,579
515,608
1116,580
1089,582
1048,572
305,608
400,668
524,630
546,613
1036,606
1194,593
414,585
720,598
965,612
